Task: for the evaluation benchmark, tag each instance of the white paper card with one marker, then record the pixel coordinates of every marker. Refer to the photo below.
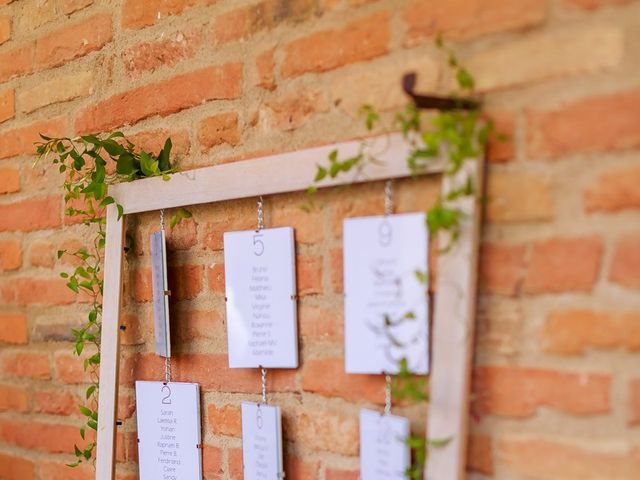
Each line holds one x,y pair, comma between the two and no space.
384,454
160,285
168,431
385,303
261,442
260,281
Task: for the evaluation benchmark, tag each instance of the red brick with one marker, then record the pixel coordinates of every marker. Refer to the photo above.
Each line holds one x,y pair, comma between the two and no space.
209,370
519,391
614,190
16,62
41,253
13,328
360,40
185,281
7,104
333,474
298,469
573,331
318,324
51,291
564,264
70,369
215,276
596,124
70,6
136,14
20,141
16,468
32,435
219,129
57,402
5,28
480,454
625,266
265,66
594,4
327,377
235,464
502,268
241,220
32,214
634,402
466,19
308,225
323,429
27,365
152,141
518,197
530,457
183,236
167,52
10,254
308,275
142,288
501,147
61,471
212,462
293,110
198,325
162,98
14,399
225,420
336,259
74,41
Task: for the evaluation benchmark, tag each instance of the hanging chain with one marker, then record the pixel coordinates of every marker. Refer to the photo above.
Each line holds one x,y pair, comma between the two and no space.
260,213
162,219
388,197
387,395
263,374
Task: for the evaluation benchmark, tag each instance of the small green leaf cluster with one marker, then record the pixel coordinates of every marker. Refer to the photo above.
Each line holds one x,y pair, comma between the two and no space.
90,164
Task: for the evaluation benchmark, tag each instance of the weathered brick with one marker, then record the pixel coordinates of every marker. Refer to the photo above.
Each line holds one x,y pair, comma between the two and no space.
182,236
10,254
291,111
16,468
235,464
320,324
531,457
212,465
70,369
152,141
518,197
51,291
61,88
9,180
298,469
610,122
594,4
197,325
502,268
225,420
520,391
219,129
334,474
33,214
186,281
163,98
61,471
573,331
7,105
308,275
70,6
27,365
360,40
324,429
564,264
16,62
308,225
5,28
625,266
14,399
41,253
480,454
265,67
20,141
499,326
536,58
614,190
36,435
74,41
35,14
215,277
149,56
142,288
56,402
136,14
466,19
336,262
327,377
634,401
501,146
13,328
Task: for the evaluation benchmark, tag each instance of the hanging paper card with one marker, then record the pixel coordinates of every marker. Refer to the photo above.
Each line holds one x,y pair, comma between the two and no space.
261,442
385,302
160,287
384,453
169,431
260,280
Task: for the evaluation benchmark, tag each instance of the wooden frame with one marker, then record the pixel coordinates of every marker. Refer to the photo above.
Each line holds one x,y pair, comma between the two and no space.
455,293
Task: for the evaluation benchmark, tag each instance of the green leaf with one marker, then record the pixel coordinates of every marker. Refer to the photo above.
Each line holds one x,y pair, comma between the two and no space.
164,156
120,209
321,173
148,165
125,164
90,391
87,412
181,214
439,442
465,80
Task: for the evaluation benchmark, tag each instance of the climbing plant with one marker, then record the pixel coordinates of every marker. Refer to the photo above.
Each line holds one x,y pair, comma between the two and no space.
452,137
90,164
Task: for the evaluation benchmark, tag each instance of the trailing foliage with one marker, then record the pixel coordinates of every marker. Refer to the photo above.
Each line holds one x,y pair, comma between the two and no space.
90,164
452,137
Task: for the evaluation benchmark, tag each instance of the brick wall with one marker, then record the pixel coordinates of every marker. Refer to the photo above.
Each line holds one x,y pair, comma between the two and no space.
556,384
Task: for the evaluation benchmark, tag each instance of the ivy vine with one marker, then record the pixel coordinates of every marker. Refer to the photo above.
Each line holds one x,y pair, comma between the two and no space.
90,164
453,137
